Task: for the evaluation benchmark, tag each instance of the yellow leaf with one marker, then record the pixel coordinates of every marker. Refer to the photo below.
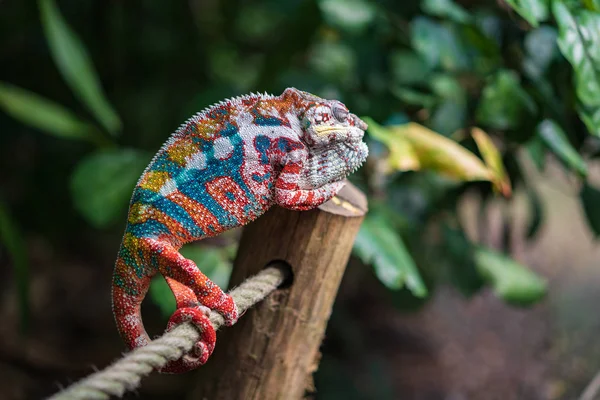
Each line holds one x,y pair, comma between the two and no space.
402,156
493,159
430,150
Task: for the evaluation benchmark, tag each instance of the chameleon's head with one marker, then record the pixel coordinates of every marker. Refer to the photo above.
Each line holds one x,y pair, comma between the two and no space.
333,137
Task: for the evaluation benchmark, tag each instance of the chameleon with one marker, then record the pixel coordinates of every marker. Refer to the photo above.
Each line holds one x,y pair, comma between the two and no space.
221,169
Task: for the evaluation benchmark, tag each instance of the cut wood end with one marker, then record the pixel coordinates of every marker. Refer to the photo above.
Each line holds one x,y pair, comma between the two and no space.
349,202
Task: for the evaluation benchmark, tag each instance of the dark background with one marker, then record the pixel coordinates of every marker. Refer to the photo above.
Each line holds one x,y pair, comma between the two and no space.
106,82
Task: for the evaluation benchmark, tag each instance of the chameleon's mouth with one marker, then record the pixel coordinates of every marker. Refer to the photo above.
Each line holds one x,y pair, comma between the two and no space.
328,130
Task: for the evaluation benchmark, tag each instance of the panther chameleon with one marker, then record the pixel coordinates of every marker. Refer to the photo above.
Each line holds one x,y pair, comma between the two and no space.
221,169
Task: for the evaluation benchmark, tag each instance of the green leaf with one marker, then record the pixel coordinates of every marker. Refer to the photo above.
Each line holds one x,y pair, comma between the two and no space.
537,151
351,15
447,87
161,294
446,9
15,245
511,281
102,183
592,5
378,244
504,103
536,210
579,41
541,49
451,111
426,35
334,61
590,199
448,117
408,67
41,113
591,119
438,44
556,139
413,97
75,65
534,11
481,46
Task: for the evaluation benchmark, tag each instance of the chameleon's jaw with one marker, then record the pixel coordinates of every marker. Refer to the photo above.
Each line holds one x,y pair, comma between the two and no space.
335,162
356,154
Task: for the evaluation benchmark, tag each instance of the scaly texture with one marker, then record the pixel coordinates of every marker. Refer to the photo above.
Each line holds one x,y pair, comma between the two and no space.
221,169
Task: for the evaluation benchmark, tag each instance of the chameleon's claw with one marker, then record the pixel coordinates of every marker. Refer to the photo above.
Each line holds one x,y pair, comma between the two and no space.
202,349
228,310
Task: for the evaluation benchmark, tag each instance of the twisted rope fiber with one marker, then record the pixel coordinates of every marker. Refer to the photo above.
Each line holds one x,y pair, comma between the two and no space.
125,374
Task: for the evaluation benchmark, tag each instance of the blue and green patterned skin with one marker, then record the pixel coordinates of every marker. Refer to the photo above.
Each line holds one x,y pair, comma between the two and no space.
221,169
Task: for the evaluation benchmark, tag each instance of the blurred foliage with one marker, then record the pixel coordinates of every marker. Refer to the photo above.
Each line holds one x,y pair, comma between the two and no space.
377,243
457,94
101,183
513,282
13,240
75,66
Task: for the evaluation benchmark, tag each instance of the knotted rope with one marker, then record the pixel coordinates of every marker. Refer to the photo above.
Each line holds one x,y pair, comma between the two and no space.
126,373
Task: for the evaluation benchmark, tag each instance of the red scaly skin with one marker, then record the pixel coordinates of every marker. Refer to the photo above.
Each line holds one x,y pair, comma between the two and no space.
221,169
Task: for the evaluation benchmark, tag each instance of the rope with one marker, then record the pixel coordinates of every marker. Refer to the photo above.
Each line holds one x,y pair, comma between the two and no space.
125,374
592,389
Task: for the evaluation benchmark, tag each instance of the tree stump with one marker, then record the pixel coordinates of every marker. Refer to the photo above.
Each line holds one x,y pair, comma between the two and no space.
273,350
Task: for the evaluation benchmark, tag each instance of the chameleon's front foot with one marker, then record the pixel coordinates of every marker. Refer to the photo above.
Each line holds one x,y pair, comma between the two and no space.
227,309
202,349
191,287
307,199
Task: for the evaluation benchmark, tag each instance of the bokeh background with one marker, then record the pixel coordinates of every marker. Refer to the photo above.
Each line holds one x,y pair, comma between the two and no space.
475,274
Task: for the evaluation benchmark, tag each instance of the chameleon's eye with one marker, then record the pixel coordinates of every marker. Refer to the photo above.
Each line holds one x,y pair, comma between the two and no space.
340,113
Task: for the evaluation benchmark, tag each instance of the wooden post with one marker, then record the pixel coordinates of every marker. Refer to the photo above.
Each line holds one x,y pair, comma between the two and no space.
273,350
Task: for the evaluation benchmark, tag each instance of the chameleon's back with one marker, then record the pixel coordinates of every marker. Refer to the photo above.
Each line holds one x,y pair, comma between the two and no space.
213,174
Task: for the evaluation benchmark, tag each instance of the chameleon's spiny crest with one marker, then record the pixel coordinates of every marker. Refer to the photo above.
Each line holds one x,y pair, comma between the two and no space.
221,169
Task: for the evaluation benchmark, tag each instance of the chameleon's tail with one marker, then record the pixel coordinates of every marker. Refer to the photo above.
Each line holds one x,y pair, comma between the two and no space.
129,288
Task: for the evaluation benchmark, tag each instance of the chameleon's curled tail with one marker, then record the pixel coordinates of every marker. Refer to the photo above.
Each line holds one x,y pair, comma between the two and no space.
139,259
